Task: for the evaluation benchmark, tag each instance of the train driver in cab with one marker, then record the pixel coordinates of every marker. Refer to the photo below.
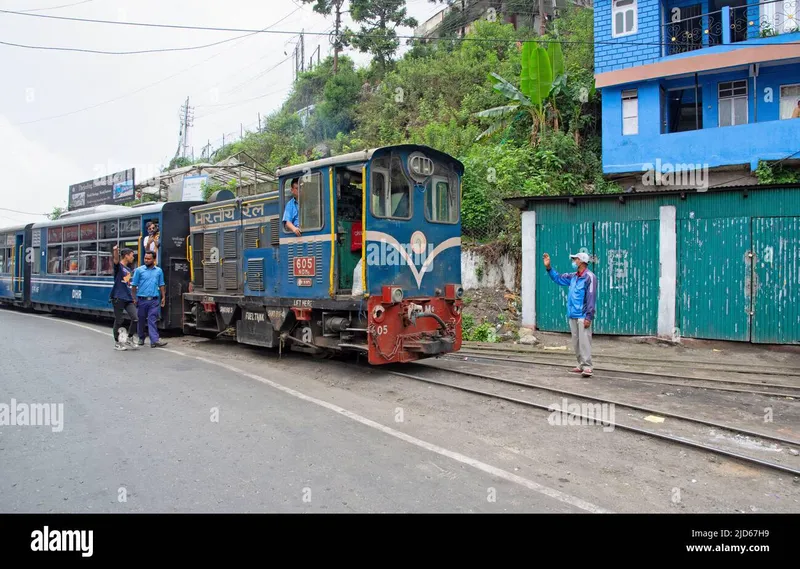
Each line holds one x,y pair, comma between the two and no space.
291,215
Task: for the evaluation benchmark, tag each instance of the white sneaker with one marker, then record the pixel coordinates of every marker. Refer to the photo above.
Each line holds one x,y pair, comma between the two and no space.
119,347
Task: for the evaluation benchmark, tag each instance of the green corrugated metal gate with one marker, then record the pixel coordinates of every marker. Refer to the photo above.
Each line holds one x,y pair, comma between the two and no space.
626,263
737,262
740,279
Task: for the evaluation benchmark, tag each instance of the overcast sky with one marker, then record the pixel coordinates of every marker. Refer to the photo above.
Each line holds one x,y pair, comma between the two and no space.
136,99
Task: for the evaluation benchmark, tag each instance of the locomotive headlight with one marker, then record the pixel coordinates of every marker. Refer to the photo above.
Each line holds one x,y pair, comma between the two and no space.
392,294
453,292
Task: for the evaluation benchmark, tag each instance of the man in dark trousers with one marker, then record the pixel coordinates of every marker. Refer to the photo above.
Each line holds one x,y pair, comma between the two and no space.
149,294
122,300
581,307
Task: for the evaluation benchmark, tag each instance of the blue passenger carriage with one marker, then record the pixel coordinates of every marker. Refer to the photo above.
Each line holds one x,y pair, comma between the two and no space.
375,269
71,265
14,242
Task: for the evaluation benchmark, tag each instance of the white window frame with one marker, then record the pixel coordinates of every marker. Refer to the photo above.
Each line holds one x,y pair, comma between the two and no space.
735,84
630,95
616,8
780,103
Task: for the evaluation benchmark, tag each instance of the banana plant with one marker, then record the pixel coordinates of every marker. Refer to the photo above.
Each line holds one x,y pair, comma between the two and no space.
541,78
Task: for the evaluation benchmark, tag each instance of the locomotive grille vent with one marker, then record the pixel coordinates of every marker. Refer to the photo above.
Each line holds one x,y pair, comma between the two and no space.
251,238
229,244
230,276
255,274
318,254
210,278
275,238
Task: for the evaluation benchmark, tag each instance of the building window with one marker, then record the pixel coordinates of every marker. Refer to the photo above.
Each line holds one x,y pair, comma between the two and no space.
733,103
684,110
630,112
790,101
624,17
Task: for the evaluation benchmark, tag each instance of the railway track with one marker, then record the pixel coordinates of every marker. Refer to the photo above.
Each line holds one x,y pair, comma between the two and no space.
487,387
777,389
761,369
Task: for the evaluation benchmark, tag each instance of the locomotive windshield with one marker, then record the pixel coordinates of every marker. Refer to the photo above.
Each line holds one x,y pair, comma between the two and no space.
391,195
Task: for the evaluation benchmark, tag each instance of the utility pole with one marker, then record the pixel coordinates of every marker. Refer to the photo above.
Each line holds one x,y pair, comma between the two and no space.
187,120
542,29
336,45
302,52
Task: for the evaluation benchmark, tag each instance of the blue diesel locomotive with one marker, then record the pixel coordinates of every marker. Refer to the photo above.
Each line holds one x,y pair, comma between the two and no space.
371,264
375,267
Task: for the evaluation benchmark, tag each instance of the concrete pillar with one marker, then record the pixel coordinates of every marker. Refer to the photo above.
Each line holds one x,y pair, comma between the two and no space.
667,284
529,263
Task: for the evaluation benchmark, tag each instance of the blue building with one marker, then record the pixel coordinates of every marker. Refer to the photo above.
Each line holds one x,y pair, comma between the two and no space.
697,92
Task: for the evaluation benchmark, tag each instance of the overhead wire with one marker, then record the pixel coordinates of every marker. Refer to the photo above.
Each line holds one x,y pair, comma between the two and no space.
535,39
125,95
57,7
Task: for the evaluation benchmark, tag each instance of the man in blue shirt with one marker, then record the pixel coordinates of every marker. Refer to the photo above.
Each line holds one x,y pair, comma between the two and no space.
121,298
581,302
148,282
291,214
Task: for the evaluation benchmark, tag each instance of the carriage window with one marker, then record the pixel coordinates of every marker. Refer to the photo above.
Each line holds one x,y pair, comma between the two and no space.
71,261
441,201
36,260
88,259
105,258
108,230
310,206
54,259
54,235
2,260
130,227
71,233
392,200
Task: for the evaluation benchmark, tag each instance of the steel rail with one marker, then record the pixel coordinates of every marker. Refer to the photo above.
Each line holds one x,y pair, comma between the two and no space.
646,373
780,370
670,438
656,382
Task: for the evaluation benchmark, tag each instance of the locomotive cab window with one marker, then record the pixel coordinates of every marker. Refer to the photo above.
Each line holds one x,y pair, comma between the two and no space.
309,201
390,196
441,199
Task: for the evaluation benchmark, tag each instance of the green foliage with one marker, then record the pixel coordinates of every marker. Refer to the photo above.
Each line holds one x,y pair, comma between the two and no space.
475,100
483,332
773,174
378,20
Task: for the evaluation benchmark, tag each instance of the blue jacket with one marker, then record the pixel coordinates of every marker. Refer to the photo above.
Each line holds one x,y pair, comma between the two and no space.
582,292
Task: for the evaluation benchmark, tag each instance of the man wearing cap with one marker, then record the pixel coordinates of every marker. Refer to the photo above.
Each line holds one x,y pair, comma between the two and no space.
580,307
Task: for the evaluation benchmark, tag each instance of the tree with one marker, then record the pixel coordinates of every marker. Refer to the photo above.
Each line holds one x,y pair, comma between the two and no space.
378,19
326,7
541,79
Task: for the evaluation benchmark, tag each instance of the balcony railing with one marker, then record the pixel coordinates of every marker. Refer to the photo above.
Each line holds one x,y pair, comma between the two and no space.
729,25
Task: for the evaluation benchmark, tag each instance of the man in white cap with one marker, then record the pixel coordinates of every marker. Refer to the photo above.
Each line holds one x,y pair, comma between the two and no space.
581,302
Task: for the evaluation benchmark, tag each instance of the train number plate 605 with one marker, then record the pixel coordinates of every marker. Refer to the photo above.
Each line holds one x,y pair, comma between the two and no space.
304,266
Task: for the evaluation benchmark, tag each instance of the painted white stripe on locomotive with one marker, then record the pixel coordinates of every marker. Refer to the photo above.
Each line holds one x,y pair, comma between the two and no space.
306,239
418,274
469,461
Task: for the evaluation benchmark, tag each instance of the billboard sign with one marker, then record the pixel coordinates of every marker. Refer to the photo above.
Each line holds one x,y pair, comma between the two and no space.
114,189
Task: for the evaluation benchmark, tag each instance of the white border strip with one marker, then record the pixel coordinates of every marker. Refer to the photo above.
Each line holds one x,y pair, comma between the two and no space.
489,469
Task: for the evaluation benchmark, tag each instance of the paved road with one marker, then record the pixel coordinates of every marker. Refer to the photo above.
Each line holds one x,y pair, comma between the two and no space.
139,436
